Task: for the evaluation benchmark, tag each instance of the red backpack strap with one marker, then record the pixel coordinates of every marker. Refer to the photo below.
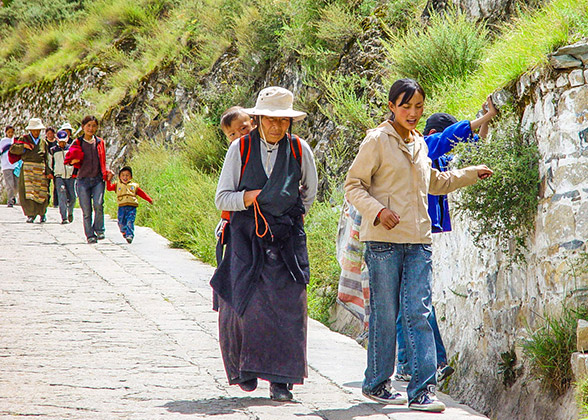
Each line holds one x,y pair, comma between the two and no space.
245,147
296,149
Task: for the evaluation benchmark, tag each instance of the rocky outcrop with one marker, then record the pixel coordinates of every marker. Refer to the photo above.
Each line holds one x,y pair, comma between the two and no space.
54,101
485,305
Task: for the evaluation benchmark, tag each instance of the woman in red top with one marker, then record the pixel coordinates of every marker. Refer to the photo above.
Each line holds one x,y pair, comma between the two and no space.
88,155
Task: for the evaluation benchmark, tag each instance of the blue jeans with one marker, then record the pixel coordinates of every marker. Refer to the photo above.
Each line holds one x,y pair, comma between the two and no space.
400,278
91,195
126,220
403,366
66,195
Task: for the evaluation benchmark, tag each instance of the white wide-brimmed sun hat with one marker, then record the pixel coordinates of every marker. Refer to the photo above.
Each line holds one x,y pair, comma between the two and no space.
66,126
276,101
35,124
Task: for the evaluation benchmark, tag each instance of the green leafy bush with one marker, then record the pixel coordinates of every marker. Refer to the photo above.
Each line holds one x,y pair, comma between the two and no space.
550,347
503,206
449,48
39,12
347,102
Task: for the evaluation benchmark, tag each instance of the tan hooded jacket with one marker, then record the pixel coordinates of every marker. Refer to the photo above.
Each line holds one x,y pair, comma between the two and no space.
385,175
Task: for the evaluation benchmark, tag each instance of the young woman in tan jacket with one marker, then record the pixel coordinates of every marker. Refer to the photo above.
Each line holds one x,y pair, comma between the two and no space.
388,183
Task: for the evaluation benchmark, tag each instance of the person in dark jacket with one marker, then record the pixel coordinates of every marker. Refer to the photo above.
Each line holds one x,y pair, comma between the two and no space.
88,155
268,182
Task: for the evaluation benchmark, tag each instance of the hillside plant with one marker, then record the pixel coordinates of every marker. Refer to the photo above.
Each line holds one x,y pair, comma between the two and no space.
503,207
449,48
549,349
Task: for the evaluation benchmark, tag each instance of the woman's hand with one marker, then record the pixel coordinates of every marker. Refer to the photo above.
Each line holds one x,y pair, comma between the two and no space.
250,196
28,146
389,218
73,161
484,172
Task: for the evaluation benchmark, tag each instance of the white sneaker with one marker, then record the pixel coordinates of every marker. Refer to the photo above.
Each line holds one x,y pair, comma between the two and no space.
427,401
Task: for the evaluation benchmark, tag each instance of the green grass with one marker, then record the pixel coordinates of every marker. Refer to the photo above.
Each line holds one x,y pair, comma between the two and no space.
522,45
550,347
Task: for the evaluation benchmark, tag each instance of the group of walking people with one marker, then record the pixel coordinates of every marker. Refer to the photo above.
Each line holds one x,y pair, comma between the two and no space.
77,166
268,183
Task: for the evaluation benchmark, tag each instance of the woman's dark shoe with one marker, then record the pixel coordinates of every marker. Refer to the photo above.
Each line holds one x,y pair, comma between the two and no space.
279,392
43,219
100,236
92,240
248,386
70,218
31,219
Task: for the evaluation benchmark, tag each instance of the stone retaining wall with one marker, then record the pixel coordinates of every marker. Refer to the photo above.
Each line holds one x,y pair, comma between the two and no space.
485,306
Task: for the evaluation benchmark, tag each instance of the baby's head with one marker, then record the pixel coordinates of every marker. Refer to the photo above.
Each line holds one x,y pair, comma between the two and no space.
125,174
236,123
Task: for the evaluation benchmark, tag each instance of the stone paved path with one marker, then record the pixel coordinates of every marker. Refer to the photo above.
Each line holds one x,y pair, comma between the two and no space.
118,331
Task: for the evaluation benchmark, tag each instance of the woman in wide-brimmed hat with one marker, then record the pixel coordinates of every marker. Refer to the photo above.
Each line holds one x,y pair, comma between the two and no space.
268,182
33,184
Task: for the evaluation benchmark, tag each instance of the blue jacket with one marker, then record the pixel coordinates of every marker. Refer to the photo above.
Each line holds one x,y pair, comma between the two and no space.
439,144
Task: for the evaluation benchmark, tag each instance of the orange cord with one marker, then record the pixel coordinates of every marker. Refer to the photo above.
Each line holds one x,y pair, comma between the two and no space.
256,211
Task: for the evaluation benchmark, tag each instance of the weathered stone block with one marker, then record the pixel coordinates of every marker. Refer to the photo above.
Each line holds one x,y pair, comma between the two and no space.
583,58
572,245
579,363
564,62
523,84
574,174
560,224
582,221
562,81
576,78
582,336
580,47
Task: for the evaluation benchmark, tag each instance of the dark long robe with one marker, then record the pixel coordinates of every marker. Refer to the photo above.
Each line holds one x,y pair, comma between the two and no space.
269,340
38,155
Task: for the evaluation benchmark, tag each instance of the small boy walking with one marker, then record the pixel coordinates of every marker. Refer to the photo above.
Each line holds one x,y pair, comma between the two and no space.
63,179
126,197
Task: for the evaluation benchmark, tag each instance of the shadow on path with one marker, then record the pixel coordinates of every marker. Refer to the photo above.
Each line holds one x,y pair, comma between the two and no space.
217,406
224,406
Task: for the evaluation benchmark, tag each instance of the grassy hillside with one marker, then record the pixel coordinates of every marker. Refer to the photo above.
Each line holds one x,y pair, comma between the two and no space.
459,62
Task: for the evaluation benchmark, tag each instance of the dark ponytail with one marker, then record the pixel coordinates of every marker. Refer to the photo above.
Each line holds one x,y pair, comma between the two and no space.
407,87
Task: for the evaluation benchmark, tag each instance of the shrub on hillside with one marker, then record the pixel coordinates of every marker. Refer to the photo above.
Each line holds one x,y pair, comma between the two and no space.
503,206
39,12
449,48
